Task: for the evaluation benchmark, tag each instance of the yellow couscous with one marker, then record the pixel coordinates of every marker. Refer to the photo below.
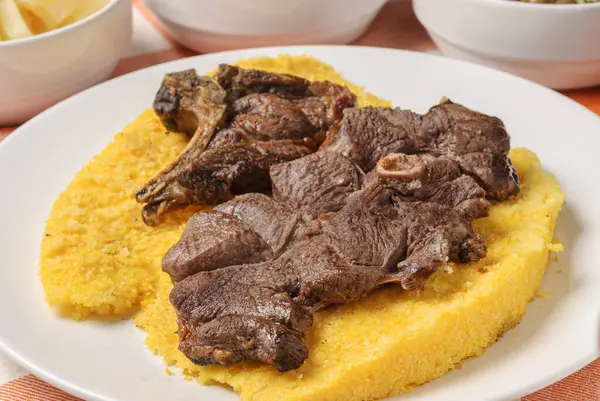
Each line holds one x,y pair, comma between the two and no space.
99,259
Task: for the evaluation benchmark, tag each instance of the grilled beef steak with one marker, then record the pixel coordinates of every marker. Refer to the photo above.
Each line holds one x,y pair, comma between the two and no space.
273,221
401,227
253,227
477,142
267,117
212,240
241,123
316,184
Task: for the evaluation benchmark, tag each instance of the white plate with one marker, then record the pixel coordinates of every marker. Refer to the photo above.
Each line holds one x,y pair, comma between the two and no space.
100,361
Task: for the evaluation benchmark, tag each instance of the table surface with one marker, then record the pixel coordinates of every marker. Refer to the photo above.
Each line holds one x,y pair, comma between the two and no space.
395,27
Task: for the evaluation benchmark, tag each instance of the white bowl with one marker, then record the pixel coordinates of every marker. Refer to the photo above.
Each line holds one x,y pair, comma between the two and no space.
216,25
557,45
41,70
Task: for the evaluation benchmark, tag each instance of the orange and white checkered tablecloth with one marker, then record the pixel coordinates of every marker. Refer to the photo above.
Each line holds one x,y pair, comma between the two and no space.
395,27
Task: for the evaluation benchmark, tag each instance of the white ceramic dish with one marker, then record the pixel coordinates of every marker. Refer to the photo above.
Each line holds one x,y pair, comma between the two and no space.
215,25
41,70
108,362
555,45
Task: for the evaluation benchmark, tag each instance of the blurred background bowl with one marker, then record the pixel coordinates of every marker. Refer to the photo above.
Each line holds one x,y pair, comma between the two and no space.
215,25
557,45
41,70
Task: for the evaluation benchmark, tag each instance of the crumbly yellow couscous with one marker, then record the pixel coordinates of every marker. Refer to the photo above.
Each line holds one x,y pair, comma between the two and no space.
99,259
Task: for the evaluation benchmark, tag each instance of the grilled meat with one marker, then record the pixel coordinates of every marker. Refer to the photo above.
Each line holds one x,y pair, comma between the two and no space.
187,101
402,227
388,198
192,105
316,184
477,142
241,123
220,173
254,227
240,82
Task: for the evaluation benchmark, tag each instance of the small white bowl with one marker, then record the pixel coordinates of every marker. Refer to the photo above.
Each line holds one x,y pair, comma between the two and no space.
556,45
216,25
41,70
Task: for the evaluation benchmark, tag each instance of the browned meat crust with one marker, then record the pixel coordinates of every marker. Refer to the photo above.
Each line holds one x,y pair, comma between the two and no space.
241,123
